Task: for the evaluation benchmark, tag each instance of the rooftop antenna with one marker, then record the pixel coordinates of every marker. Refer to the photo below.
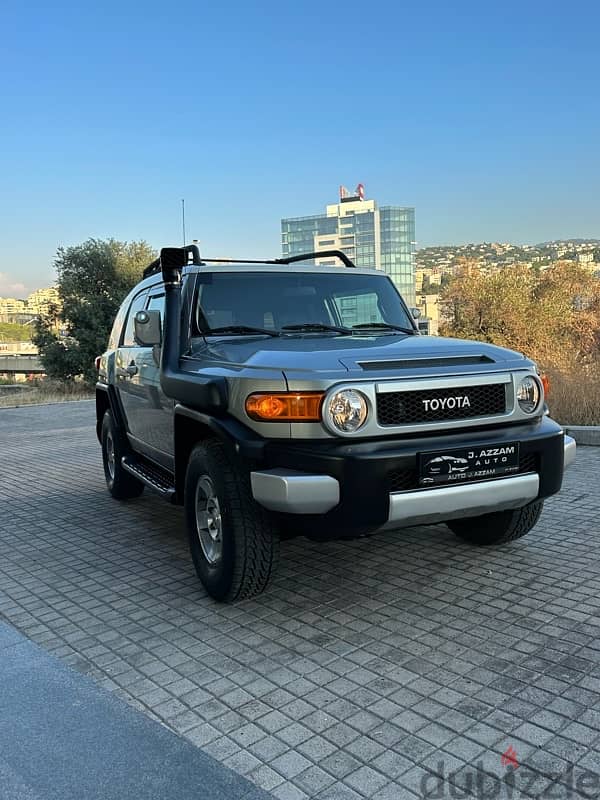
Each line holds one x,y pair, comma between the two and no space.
183,219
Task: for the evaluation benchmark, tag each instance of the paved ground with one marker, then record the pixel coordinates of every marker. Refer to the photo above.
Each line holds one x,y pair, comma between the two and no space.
64,738
365,670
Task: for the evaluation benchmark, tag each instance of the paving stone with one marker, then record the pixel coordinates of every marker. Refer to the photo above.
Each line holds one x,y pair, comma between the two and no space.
290,764
392,764
294,734
268,748
265,777
363,655
316,748
365,748
313,780
288,791
242,762
366,781
340,763
533,734
338,791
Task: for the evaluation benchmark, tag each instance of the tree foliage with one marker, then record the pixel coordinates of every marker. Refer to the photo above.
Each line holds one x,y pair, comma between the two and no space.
551,315
92,280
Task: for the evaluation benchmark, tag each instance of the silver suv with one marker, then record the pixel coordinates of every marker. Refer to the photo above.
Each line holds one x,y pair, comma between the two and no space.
279,398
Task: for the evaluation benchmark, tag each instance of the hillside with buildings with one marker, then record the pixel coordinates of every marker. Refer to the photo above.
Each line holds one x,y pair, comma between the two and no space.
494,254
435,266
18,354
21,312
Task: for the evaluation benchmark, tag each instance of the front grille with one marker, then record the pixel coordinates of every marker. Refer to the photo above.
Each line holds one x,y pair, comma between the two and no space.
403,480
435,405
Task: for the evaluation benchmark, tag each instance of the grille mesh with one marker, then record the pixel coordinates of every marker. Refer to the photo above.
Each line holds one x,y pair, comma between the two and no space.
409,408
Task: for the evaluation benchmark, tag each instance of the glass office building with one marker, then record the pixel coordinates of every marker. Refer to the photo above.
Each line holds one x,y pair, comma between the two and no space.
381,237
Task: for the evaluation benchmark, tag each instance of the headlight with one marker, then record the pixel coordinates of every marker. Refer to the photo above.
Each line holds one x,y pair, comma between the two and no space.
345,411
528,395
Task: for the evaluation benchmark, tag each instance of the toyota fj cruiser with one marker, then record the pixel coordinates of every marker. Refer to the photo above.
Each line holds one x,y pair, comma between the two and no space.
280,398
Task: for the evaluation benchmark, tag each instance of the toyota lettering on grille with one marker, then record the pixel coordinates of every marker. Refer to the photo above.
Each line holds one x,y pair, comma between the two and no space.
446,403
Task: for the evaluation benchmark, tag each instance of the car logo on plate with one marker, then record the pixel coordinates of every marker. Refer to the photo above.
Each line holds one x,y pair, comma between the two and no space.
446,465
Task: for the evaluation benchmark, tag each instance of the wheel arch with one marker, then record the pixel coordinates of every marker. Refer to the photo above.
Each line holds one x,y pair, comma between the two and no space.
106,400
191,427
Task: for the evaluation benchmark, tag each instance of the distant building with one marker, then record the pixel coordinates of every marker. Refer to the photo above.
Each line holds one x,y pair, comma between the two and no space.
23,312
10,305
40,301
429,306
586,260
372,236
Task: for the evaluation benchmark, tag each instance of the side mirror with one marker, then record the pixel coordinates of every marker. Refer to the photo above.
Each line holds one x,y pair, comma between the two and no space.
416,312
147,328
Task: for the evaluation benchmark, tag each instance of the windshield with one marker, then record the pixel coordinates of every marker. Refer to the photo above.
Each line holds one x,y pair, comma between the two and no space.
279,301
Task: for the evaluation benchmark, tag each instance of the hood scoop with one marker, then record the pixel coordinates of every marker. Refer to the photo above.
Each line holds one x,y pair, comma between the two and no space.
425,363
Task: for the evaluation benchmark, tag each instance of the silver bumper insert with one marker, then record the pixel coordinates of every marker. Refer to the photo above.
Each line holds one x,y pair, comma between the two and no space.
570,450
425,506
295,492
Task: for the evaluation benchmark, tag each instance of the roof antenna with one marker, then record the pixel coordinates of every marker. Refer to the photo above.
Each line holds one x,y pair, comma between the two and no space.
183,219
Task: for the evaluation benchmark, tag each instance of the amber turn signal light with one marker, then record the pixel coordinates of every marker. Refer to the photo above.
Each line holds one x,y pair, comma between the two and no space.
285,406
546,384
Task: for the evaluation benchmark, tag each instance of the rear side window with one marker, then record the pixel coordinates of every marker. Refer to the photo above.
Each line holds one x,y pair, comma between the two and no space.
137,304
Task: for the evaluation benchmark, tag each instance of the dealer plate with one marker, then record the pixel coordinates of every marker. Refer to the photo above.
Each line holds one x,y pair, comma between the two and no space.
468,464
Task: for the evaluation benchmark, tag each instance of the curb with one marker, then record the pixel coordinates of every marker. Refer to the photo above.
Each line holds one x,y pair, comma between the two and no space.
53,403
585,435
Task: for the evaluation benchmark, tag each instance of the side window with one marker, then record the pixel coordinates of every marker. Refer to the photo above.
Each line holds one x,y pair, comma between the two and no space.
157,303
137,304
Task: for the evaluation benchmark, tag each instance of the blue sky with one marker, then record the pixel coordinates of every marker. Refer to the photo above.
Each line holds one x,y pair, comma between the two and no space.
484,116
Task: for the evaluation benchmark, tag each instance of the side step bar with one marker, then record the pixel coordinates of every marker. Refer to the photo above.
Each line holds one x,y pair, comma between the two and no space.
152,476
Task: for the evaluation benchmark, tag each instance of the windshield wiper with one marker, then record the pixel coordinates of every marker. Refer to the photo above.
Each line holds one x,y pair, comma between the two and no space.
315,326
385,325
240,329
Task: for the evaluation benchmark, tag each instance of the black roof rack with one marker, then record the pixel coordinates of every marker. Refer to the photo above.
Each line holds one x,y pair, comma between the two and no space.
322,254
191,255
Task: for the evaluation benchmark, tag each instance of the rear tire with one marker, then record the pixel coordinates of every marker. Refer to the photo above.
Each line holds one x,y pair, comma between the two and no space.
121,484
234,542
498,527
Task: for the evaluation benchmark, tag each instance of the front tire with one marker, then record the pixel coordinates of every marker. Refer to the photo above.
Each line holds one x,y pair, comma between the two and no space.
234,542
121,484
498,527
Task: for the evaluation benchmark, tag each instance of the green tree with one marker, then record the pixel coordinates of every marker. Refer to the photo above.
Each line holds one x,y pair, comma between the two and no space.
92,280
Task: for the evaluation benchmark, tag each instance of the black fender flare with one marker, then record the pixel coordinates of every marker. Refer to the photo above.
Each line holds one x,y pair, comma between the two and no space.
191,426
107,399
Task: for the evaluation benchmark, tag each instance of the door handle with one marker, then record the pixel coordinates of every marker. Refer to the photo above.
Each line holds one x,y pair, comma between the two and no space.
127,372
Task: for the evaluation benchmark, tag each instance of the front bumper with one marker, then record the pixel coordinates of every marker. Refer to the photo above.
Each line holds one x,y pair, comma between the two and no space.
341,484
